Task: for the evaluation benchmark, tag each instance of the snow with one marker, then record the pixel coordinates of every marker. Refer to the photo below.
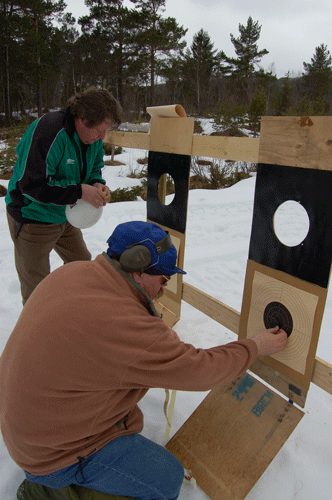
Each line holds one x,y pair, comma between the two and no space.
217,241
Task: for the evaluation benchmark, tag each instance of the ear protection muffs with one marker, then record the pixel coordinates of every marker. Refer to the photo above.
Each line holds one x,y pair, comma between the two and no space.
138,257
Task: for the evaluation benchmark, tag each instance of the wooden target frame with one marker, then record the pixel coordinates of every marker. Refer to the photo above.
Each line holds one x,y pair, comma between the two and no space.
218,441
170,148
292,280
236,448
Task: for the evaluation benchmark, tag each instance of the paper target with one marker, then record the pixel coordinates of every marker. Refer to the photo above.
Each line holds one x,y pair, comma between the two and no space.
274,303
276,314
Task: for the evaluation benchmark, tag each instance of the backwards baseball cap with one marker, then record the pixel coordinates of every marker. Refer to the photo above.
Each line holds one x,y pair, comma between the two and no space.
158,256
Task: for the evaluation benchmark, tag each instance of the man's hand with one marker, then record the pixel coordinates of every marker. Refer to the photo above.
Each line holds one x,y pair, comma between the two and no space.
93,195
104,191
270,341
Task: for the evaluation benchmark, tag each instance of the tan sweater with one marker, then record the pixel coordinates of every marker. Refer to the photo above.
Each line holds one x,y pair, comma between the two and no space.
86,348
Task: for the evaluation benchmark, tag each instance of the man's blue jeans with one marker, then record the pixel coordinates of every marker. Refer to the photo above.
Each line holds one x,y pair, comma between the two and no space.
129,465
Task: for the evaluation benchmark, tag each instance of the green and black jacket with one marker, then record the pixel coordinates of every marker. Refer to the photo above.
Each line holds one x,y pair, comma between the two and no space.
51,166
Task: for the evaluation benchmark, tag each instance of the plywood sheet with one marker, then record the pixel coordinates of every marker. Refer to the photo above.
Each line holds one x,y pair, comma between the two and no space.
297,141
172,135
233,435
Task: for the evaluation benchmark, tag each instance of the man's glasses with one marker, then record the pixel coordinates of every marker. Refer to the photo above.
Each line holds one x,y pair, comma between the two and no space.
166,279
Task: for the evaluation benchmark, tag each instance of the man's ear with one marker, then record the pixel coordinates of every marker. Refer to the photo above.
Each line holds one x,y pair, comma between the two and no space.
136,277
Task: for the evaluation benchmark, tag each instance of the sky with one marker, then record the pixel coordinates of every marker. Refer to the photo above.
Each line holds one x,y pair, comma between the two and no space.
216,252
290,29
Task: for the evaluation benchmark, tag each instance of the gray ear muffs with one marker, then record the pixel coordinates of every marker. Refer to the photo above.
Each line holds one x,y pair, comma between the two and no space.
138,257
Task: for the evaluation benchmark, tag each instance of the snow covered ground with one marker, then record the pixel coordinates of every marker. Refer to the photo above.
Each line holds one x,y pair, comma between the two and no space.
217,240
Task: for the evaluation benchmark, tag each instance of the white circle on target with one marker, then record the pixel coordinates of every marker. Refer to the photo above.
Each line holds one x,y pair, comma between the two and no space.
82,214
291,223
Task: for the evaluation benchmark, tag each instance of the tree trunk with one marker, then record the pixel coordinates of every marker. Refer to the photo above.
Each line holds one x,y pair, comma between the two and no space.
39,95
198,90
8,114
120,82
152,79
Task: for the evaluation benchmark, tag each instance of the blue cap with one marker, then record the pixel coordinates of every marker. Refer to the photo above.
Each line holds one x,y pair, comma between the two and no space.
147,234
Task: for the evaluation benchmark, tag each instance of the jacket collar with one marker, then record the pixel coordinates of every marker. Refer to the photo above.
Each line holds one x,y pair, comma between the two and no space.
69,122
147,301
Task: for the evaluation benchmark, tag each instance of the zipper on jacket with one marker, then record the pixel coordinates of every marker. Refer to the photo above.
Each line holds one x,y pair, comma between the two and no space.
82,462
84,150
81,159
125,421
118,424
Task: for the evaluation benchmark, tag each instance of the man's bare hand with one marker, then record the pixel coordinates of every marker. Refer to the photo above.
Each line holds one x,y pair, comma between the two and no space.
104,191
270,341
92,195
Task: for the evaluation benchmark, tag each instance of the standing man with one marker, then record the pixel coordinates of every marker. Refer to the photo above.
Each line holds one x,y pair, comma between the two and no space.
86,349
60,158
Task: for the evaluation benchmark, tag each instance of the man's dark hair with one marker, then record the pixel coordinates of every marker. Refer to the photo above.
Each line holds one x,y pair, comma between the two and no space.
94,106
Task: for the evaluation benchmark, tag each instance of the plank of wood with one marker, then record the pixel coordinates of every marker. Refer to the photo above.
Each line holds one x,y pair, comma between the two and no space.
232,437
292,141
296,141
227,148
230,318
136,140
322,375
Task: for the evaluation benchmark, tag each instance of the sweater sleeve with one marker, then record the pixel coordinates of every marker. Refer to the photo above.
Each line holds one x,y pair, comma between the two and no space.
172,364
39,181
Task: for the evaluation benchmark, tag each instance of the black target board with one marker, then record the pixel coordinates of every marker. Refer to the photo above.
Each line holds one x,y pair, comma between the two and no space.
177,166
312,188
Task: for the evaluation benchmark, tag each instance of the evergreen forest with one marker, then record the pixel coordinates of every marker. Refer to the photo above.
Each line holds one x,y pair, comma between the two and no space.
141,56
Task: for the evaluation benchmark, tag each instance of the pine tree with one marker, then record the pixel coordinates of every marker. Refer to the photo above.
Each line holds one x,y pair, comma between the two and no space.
8,13
109,42
284,97
248,55
317,76
204,60
256,109
36,33
158,36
